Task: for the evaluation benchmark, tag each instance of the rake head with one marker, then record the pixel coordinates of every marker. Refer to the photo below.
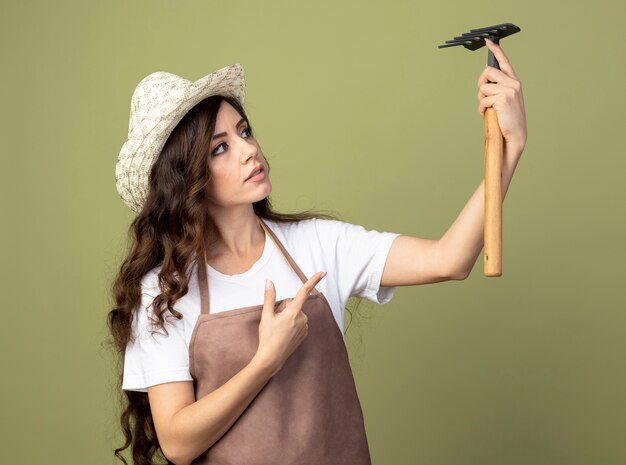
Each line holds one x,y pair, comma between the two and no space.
475,39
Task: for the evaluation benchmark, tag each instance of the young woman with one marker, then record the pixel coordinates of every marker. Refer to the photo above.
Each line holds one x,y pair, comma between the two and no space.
232,342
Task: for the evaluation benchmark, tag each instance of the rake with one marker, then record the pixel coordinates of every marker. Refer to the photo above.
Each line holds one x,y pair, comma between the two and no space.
494,144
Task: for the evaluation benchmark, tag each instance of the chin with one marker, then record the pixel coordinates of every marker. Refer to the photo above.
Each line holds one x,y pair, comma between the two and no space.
269,190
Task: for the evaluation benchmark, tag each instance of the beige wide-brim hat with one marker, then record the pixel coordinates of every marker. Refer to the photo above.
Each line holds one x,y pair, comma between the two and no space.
158,103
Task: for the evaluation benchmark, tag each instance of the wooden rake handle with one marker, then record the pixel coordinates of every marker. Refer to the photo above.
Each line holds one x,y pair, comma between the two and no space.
494,145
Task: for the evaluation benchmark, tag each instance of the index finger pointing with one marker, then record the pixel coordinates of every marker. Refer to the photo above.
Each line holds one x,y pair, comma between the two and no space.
304,292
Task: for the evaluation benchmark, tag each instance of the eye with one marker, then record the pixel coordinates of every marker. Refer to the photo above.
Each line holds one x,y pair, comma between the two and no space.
224,143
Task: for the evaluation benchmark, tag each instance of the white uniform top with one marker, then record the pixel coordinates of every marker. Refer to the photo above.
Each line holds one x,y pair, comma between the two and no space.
353,257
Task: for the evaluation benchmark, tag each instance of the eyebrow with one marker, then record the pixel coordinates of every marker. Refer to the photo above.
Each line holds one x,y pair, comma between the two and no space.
222,134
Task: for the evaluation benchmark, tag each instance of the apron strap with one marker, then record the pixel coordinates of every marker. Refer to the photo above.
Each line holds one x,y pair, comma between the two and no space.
203,284
290,260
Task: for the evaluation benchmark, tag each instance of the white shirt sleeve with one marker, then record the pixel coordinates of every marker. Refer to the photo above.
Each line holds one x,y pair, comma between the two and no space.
155,358
358,256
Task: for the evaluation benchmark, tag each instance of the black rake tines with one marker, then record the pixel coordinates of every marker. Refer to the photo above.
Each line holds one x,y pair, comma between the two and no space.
475,39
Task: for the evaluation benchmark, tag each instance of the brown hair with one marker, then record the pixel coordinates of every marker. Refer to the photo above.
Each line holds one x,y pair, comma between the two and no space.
171,228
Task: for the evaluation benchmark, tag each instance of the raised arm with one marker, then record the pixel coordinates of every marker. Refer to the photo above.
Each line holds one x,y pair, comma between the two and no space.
413,260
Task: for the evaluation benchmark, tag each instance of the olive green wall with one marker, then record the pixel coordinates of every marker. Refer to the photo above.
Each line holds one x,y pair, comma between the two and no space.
361,113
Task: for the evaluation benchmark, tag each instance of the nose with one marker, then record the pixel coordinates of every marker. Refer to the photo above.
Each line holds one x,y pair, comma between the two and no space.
248,149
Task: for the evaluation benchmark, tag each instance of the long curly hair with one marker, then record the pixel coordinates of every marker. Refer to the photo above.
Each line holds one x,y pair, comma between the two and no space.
171,229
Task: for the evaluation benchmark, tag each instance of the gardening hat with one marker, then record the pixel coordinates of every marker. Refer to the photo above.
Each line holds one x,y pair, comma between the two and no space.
159,102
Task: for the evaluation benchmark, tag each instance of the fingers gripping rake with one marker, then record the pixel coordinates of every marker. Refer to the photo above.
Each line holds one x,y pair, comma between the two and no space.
494,145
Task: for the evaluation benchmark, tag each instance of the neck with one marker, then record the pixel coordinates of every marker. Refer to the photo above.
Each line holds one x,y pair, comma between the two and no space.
238,233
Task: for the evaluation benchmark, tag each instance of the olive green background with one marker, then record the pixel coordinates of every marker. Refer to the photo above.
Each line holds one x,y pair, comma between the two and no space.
361,113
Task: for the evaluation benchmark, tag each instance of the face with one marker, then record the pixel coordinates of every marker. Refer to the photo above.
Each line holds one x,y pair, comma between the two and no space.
233,154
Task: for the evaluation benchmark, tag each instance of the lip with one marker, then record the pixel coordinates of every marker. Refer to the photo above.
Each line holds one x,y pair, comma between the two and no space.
259,167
